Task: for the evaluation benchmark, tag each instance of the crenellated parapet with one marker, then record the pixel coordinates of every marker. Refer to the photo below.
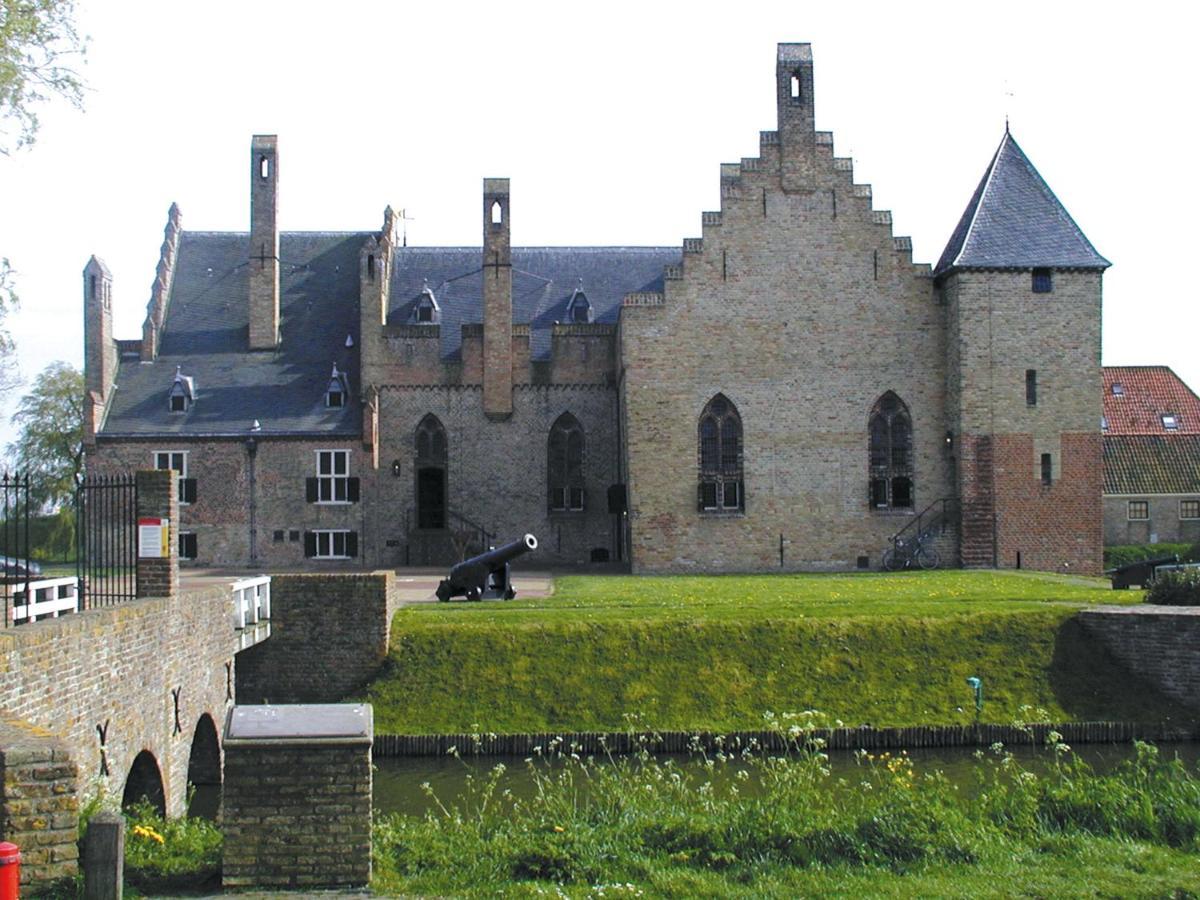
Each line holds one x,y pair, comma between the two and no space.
160,291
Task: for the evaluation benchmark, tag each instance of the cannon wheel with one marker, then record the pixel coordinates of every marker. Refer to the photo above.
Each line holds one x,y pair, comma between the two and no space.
509,594
443,592
474,595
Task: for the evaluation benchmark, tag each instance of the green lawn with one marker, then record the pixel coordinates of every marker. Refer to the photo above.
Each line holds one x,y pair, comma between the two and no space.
716,653
753,597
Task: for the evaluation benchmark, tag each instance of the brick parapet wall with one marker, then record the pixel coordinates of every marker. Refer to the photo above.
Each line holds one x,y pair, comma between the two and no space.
1157,643
39,803
329,635
297,815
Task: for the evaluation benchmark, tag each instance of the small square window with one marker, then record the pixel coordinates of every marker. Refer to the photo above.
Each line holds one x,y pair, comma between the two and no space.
1118,389
1189,509
187,545
1139,510
178,403
278,537
708,495
294,535
1042,281
1170,422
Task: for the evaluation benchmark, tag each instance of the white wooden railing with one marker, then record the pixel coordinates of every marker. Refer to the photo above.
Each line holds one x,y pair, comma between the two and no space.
251,601
51,598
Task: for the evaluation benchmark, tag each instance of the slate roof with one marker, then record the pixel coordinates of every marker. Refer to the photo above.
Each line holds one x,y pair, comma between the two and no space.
205,337
1014,221
1152,464
1146,394
205,334
544,278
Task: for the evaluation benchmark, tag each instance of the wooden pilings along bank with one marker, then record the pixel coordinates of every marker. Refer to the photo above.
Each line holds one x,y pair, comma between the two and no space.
597,743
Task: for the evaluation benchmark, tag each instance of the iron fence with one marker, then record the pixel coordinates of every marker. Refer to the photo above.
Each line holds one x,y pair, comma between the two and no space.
106,519
17,569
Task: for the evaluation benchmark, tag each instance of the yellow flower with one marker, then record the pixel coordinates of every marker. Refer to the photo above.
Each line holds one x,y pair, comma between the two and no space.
558,829
148,832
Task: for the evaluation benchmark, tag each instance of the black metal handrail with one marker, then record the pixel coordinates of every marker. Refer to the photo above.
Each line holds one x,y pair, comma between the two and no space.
456,521
940,512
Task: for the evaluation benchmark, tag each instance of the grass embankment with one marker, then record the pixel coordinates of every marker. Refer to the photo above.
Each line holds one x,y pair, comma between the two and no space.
641,827
715,653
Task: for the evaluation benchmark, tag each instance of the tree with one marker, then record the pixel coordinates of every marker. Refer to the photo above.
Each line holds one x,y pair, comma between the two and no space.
49,446
38,44
9,377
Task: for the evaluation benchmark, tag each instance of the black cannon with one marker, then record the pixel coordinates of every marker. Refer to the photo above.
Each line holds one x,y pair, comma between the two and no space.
1140,573
486,575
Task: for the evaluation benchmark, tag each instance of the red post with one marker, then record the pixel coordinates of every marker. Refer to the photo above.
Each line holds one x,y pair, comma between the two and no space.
10,871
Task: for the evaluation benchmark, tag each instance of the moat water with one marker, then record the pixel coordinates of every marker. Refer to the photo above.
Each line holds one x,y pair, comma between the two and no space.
399,780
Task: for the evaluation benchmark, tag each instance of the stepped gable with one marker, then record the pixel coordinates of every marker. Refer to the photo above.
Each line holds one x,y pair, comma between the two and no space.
1152,464
544,279
205,338
1137,397
1014,221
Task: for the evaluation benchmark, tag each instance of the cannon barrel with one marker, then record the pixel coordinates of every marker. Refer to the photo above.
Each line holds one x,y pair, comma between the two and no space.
497,556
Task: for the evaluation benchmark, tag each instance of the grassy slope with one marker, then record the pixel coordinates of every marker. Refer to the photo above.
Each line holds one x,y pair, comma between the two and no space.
715,653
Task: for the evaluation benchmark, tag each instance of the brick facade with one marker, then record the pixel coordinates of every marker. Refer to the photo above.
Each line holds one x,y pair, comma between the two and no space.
1165,521
1157,643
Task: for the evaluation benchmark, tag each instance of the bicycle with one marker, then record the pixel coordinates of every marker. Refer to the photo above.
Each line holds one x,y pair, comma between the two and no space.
915,553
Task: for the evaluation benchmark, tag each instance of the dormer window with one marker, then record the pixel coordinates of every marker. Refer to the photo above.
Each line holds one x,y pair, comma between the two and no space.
579,309
426,310
1170,421
336,393
182,393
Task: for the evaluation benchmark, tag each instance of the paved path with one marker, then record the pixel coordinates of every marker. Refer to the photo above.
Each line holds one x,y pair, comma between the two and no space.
416,585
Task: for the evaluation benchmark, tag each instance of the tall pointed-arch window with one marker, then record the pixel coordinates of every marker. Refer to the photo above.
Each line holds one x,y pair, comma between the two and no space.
565,465
891,454
430,470
720,444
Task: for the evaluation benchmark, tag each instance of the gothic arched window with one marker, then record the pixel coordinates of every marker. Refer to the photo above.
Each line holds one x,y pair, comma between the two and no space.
430,468
891,454
720,450
564,458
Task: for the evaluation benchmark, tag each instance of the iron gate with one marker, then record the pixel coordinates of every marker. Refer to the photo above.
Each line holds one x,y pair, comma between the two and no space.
106,543
16,569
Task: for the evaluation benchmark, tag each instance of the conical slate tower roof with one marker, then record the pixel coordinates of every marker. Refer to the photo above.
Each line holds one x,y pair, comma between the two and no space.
1014,221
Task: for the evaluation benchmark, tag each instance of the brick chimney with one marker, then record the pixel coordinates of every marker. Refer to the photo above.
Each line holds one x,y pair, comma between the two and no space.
497,300
264,242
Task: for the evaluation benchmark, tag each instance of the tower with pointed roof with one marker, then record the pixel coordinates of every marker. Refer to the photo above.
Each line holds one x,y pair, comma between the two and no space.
1021,286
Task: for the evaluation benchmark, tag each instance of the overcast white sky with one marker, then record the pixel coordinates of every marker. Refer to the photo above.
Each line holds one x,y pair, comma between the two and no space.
611,119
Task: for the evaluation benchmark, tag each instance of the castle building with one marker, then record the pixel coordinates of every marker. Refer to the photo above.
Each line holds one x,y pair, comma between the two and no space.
786,391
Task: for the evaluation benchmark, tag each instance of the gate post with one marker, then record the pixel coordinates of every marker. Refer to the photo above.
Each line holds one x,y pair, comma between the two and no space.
157,558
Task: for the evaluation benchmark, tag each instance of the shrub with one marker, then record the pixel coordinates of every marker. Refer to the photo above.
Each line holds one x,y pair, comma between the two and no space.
1177,588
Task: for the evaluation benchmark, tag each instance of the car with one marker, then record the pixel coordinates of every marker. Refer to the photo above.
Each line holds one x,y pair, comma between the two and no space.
13,568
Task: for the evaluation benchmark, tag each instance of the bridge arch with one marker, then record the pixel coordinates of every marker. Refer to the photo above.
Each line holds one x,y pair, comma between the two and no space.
204,769
144,782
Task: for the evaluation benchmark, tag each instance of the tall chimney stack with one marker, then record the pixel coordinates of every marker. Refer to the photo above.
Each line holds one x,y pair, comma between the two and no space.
264,242
497,300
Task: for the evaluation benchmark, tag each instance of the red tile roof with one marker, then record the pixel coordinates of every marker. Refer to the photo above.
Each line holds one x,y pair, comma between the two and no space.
1146,394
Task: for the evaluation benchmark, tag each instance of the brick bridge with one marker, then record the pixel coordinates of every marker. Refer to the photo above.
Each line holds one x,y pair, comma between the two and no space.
131,700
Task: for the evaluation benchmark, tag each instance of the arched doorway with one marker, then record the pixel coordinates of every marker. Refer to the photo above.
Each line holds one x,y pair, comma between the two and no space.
144,783
204,770
430,468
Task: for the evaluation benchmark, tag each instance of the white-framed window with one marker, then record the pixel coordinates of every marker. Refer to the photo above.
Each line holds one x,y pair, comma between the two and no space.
1189,509
333,544
333,476
177,460
1139,510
